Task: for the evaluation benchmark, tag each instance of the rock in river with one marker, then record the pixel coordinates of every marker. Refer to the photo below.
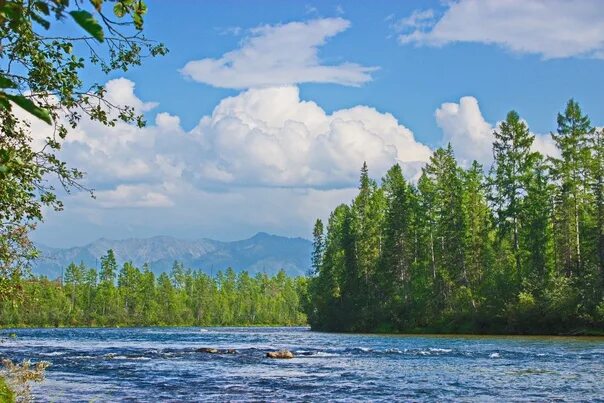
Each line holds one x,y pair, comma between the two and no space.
207,350
280,354
210,350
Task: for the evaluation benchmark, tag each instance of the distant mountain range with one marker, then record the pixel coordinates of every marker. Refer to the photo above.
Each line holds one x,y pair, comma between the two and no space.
261,253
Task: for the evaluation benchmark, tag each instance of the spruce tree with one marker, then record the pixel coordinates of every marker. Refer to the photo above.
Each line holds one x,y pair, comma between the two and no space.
510,174
449,243
318,247
398,248
478,237
570,173
537,229
597,175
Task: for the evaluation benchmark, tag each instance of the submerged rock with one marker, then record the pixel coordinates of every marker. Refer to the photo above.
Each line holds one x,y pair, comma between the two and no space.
207,350
284,354
210,350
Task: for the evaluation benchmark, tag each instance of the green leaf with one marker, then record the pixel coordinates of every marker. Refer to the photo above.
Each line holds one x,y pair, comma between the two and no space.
6,83
4,101
43,7
40,20
12,11
141,8
31,107
89,23
138,21
119,10
4,155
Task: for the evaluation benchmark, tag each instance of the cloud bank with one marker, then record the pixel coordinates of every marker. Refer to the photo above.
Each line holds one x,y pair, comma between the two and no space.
550,28
263,159
261,137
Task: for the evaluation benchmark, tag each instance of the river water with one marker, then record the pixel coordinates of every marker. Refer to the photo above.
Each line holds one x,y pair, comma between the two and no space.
162,364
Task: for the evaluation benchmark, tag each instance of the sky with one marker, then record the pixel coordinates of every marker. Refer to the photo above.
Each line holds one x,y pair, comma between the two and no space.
262,113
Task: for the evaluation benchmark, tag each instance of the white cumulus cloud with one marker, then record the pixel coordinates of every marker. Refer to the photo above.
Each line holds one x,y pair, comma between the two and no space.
120,92
472,136
279,55
550,28
464,127
270,137
260,138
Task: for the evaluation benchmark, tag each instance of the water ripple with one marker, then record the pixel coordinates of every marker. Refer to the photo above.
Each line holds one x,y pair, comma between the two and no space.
165,364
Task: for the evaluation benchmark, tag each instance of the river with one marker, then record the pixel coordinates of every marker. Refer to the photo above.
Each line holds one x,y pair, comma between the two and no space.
152,364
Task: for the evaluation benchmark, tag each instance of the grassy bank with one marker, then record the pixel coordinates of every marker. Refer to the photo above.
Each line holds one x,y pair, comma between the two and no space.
6,394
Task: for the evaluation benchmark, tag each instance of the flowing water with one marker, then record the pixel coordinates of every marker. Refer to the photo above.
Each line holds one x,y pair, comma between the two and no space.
154,364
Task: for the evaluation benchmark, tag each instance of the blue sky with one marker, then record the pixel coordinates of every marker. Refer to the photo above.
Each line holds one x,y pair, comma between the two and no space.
412,81
263,111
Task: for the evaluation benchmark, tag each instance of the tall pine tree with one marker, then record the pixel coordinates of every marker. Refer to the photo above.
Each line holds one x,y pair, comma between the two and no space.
511,172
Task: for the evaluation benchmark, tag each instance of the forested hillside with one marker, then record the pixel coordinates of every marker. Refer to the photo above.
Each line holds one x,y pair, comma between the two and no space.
517,249
262,253
129,296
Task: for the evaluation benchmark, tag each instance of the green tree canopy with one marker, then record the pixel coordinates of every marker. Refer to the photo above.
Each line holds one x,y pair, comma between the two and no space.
41,65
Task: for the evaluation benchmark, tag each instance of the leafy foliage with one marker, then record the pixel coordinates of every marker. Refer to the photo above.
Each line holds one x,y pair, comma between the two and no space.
6,394
41,78
19,378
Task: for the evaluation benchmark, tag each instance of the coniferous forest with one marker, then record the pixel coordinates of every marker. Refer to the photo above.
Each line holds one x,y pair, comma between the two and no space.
516,247
129,296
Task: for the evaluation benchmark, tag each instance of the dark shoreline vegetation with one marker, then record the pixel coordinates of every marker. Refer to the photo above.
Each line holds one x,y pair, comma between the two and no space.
519,250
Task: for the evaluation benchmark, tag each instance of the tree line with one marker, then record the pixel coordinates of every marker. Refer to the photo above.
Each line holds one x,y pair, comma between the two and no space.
130,296
516,248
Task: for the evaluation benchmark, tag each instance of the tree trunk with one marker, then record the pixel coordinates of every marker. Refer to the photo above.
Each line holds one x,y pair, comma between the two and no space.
432,255
577,237
517,253
72,299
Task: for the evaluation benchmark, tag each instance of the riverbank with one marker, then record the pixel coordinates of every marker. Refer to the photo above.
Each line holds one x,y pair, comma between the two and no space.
471,326
200,327
436,332
425,332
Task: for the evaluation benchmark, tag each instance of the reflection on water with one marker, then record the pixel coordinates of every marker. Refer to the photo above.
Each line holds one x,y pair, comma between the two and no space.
162,364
